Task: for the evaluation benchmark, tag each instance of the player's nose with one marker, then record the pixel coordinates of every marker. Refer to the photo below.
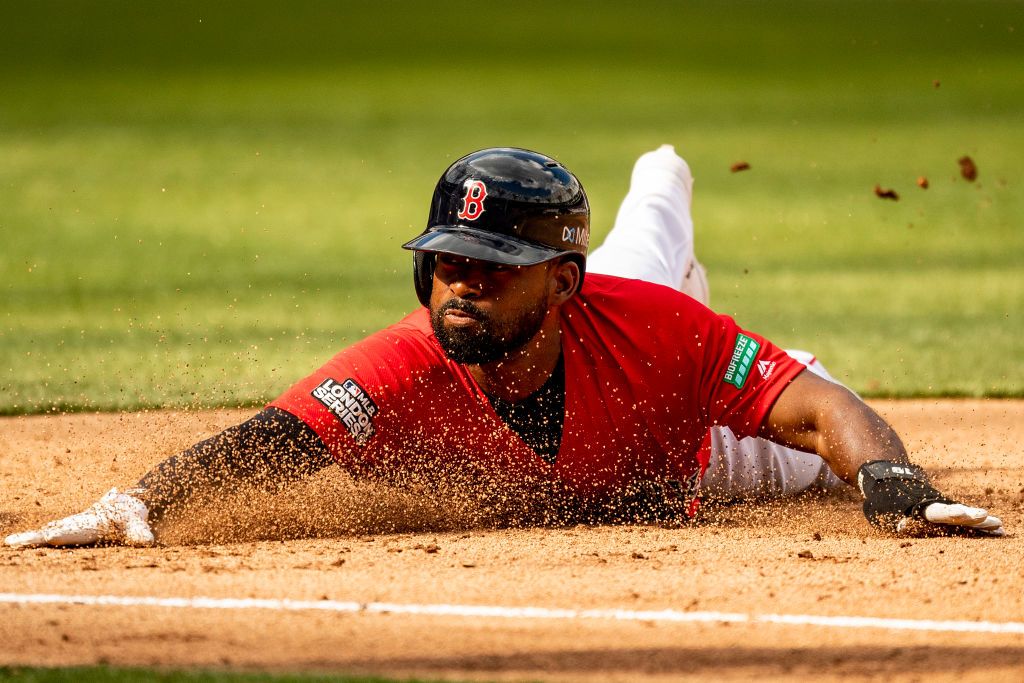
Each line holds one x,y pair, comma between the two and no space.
465,287
467,280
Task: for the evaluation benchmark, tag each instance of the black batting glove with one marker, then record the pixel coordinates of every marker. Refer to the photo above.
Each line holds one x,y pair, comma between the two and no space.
899,499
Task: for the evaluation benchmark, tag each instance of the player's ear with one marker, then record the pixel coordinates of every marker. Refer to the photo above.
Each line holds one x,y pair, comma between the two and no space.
566,276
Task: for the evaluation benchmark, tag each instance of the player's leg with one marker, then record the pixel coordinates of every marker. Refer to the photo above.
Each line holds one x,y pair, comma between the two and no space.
652,238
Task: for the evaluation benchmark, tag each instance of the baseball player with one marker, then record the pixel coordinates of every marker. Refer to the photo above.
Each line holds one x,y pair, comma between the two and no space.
527,376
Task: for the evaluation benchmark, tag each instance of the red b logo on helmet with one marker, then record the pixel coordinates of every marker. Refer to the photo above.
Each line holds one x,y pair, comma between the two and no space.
473,202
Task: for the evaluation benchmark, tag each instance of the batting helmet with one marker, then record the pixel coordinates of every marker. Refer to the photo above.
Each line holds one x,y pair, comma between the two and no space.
504,205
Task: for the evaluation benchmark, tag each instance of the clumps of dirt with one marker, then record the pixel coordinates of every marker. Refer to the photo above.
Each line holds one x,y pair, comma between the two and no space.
968,169
886,193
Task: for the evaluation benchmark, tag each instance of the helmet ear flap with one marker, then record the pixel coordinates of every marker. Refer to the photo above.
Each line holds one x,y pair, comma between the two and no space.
423,274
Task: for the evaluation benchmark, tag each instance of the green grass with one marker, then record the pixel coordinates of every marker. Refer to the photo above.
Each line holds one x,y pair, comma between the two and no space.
103,674
200,204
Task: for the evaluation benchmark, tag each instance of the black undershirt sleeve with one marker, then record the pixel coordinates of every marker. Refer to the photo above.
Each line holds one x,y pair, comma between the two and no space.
270,450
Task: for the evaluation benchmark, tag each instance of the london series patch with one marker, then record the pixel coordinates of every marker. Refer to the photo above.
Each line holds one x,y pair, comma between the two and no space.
350,403
743,355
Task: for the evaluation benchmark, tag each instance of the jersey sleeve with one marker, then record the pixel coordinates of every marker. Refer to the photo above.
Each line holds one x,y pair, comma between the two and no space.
364,393
742,375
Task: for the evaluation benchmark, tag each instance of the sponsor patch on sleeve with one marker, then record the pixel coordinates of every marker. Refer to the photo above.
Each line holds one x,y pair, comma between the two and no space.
350,403
743,355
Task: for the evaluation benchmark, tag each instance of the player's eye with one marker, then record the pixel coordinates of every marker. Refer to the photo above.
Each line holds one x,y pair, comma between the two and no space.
448,261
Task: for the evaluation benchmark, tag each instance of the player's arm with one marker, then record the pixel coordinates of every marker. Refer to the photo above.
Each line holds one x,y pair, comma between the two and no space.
815,415
269,450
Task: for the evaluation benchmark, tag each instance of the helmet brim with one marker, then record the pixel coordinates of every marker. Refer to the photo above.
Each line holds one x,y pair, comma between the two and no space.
483,246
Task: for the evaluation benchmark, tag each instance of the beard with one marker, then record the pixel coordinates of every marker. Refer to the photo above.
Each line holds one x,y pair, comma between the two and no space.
489,340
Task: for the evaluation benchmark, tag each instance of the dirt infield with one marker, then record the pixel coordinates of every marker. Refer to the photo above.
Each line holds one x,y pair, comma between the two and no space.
347,548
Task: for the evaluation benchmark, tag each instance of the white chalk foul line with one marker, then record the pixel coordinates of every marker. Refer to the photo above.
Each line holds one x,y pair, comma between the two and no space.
498,612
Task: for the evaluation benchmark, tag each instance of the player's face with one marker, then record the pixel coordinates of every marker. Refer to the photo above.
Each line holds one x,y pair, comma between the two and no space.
482,311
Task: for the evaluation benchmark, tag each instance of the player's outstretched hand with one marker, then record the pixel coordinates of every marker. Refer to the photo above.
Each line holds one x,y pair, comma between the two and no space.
898,498
964,516
118,518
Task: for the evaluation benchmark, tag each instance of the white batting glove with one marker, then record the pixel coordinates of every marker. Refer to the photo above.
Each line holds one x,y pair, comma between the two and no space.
959,514
117,518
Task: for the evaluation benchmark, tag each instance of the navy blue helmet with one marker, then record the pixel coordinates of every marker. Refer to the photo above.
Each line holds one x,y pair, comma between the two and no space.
504,205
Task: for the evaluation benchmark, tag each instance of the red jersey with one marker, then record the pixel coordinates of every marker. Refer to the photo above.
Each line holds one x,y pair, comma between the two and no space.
647,371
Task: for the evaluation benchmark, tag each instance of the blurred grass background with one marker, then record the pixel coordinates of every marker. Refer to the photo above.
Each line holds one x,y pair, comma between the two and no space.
201,202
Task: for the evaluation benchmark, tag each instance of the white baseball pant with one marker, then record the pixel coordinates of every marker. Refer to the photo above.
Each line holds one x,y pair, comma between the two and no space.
652,240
